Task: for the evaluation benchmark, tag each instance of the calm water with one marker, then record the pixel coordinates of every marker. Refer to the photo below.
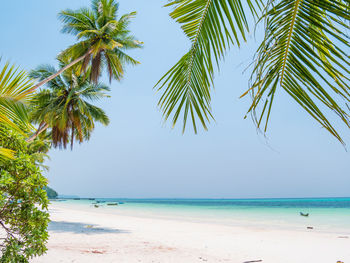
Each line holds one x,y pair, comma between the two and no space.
325,214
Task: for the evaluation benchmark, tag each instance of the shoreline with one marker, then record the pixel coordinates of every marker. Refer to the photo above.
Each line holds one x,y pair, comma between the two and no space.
329,220
93,235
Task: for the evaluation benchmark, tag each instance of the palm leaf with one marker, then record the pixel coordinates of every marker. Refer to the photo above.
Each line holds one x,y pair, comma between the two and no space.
97,114
15,93
303,53
6,153
44,71
78,21
212,26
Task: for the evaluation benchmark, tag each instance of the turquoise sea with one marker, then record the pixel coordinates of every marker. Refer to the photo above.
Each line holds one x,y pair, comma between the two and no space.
325,214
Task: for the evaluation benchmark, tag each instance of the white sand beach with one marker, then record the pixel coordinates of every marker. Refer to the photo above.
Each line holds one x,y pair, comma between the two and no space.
95,235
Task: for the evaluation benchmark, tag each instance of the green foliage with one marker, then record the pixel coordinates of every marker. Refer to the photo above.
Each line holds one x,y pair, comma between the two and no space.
51,194
15,93
65,105
305,52
40,147
212,27
23,202
103,38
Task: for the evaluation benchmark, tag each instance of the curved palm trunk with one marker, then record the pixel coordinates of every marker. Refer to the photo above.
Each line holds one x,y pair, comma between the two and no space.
43,82
40,130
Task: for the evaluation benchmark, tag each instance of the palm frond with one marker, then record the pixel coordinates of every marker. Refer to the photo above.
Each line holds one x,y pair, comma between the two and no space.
105,10
75,50
114,66
6,153
15,93
97,114
93,92
44,71
129,42
78,21
305,52
212,27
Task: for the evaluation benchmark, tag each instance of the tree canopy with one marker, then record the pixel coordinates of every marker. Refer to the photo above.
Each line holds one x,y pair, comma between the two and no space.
65,105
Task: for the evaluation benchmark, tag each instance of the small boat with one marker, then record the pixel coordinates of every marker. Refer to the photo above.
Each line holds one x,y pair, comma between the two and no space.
96,206
303,214
112,203
91,198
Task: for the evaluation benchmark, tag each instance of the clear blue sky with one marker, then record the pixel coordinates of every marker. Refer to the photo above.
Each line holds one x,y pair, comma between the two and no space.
138,156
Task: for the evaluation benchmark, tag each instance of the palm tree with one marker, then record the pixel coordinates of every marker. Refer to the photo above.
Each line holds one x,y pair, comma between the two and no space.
305,52
103,40
15,94
65,106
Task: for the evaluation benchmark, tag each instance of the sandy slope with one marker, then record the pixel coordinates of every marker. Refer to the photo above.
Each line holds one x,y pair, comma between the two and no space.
97,236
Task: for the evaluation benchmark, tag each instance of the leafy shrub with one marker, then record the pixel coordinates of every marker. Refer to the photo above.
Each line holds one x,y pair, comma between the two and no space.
23,202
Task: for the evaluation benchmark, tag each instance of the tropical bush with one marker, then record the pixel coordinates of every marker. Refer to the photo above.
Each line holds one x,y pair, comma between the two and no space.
23,201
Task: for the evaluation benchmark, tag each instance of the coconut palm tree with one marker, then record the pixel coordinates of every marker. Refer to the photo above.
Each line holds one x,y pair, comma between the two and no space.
65,106
15,94
305,52
103,40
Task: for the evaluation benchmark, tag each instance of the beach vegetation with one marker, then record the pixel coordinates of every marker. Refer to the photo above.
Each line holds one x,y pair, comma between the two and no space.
65,105
64,113
23,200
15,94
103,41
304,51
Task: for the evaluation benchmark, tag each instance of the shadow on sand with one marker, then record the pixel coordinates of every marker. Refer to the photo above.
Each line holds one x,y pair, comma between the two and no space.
81,228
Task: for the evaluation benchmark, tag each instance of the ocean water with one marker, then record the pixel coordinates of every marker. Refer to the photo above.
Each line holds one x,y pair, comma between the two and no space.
325,214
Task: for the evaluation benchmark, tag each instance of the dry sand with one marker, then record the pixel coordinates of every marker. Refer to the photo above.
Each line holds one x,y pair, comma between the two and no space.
94,235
